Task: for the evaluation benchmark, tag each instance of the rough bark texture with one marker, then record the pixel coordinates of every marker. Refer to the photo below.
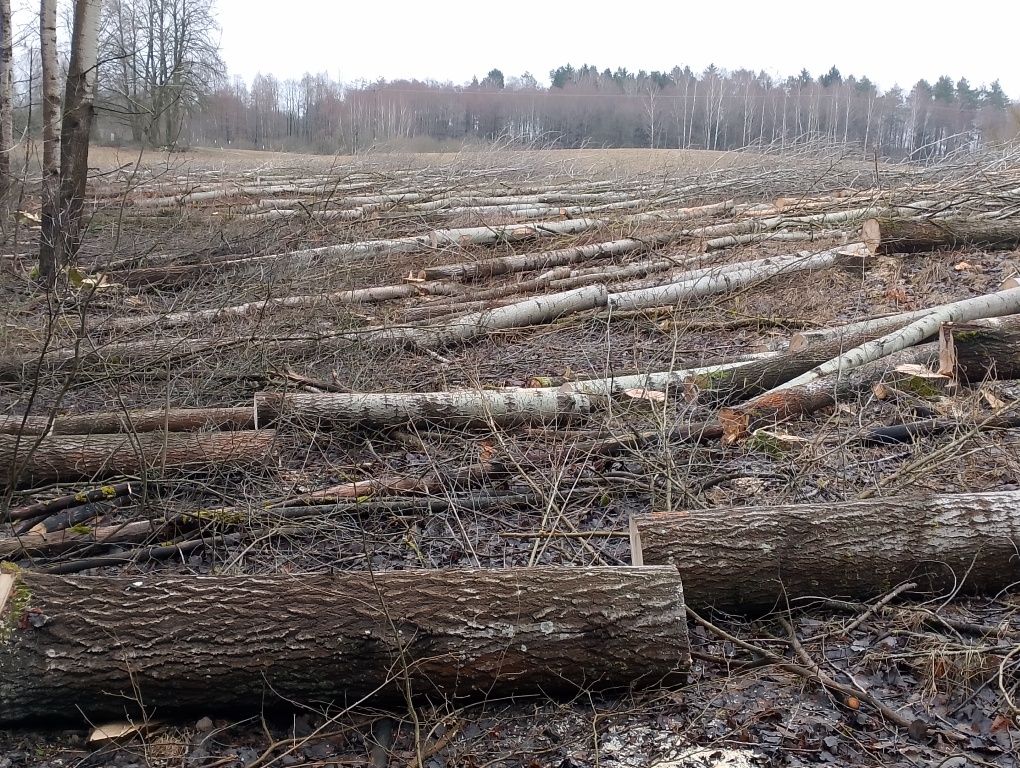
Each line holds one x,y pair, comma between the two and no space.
890,235
982,349
478,407
92,646
35,460
76,126
775,406
755,558
520,314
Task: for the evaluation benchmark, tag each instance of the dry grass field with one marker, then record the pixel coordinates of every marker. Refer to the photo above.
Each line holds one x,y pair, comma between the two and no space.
499,360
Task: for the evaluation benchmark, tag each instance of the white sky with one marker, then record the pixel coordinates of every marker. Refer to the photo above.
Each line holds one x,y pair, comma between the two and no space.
887,40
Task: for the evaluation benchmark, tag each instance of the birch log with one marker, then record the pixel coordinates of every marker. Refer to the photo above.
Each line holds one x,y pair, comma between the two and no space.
713,283
464,407
991,305
756,558
181,644
780,404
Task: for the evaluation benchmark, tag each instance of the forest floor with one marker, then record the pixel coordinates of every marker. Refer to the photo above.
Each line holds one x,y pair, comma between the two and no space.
940,659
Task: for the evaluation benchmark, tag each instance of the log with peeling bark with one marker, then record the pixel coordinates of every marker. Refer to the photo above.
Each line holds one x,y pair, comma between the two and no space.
757,558
465,407
768,409
178,644
896,235
151,420
35,460
981,349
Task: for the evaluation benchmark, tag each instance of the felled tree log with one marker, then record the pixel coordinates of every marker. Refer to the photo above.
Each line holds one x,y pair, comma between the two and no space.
152,420
35,460
465,407
894,235
756,558
863,329
780,404
721,282
758,376
213,643
24,366
521,314
990,305
981,349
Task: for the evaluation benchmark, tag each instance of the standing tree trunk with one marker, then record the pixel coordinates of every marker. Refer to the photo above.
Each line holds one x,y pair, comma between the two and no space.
6,102
79,97
48,266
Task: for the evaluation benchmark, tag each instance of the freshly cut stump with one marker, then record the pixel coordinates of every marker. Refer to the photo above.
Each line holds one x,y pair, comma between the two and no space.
96,646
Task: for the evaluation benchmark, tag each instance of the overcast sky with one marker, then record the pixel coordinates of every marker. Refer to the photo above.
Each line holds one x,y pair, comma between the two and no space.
889,41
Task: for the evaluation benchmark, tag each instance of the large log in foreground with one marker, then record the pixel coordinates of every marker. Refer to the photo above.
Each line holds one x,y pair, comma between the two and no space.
755,558
891,235
77,647
35,460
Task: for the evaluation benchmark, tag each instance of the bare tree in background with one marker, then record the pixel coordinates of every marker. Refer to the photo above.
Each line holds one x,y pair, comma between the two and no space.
6,100
162,57
60,243
50,139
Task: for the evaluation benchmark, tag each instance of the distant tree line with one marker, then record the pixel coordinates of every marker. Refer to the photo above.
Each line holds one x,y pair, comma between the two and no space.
162,82
713,109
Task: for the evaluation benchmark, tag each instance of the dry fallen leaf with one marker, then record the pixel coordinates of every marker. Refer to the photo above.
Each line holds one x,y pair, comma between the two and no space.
963,266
